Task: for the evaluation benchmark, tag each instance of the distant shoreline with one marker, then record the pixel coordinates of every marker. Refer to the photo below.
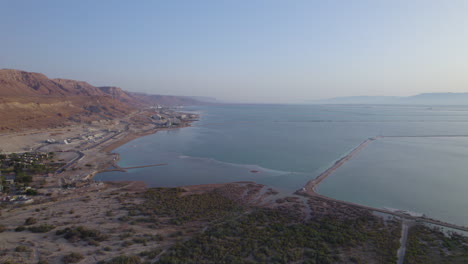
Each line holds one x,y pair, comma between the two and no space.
109,149
120,142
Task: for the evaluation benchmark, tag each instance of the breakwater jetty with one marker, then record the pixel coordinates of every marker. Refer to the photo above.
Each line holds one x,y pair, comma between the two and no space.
313,183
118,168
309,188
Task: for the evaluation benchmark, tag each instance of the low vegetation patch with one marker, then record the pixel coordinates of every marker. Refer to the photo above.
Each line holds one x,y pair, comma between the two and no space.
273,236
170,202
73,257
123,260
20,228
30,221
22,248
44,228
426,246
81,233
31,192
151,254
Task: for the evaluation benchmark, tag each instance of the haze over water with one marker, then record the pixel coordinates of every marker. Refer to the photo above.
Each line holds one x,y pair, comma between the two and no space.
291,144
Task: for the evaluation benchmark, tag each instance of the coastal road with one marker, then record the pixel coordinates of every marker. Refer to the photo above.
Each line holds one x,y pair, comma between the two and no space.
81,155
73,161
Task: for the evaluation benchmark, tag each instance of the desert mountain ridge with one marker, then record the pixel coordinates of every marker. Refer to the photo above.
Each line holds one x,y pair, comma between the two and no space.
32,100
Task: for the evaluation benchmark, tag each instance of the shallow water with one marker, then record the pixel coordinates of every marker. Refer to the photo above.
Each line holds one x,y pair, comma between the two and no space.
291,144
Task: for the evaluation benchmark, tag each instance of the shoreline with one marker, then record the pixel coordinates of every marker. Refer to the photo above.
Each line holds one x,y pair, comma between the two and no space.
109,149
130,137
309,189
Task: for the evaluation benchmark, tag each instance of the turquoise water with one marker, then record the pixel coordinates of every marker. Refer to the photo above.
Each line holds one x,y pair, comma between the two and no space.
291,144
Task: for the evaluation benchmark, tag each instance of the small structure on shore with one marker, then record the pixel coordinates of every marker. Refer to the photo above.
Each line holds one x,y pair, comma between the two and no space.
157,117
174,122
10,179
17,199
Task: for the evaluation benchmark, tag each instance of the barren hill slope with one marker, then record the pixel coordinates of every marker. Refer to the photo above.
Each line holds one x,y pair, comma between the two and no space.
119,94
80,88
31,100
21,83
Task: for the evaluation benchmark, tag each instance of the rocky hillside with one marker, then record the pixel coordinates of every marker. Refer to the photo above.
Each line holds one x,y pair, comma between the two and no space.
32,100
119,94
19,83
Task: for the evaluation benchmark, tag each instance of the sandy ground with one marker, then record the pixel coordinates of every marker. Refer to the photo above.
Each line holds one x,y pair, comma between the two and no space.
94,206
70,198
34,139
100,206
87,149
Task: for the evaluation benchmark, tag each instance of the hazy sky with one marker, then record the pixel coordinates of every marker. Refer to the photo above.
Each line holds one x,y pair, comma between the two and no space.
251,50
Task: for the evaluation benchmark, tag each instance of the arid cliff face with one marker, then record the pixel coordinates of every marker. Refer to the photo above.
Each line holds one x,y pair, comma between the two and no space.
31,100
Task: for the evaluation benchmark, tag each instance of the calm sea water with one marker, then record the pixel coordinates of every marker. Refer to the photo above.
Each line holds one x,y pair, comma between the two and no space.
291,144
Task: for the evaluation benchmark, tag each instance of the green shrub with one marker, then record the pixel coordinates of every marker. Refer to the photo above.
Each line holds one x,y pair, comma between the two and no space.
124,218
81,233
30,221
31,192
123,260
72,257
93,243
107,248
22,248
44,228
126,243
151,254
20,228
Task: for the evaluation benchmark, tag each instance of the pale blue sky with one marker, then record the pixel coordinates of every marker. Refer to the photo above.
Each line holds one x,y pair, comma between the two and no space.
252,50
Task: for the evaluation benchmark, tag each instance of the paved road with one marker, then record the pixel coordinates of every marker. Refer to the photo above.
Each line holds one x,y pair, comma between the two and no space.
73,161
